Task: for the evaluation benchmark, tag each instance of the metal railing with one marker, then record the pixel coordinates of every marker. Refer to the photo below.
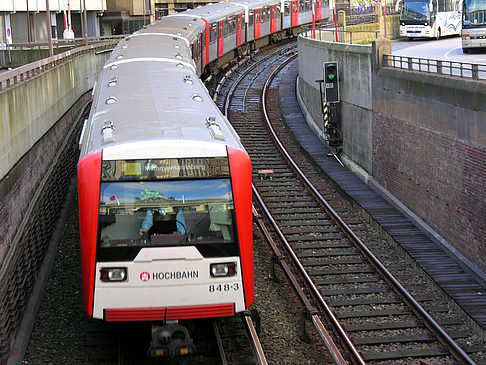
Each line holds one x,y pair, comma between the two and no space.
339,35
19,74
465,70
60,43
371,9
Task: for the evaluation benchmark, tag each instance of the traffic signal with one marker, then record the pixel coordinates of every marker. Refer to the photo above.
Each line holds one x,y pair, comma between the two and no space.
331,82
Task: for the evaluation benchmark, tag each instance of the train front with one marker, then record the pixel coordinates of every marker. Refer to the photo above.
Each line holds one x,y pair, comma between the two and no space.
166,234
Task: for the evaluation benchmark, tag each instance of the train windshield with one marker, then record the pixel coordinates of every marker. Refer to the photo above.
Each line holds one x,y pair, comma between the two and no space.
168,213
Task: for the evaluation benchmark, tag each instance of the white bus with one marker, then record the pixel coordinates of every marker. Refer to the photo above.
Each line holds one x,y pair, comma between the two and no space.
473,24
429,18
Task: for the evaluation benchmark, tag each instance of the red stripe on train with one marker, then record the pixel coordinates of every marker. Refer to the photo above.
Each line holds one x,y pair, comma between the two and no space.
170,313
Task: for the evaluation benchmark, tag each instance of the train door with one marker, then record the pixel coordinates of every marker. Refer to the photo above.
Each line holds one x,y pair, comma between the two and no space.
258,22
318,10
220,38
239,22
205,43
273,18
295,13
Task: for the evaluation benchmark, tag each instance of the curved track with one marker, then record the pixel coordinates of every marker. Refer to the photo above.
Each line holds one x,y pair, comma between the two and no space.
373,314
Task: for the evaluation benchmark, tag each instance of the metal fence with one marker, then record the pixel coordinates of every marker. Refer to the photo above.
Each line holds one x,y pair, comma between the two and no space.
474,71
338,35
389,9
61,43
19,74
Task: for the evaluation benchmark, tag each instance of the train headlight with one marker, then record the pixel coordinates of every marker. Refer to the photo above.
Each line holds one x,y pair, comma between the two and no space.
225,269
113,274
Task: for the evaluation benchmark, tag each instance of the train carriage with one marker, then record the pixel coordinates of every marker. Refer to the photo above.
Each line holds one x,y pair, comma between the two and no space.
222,30
164,189
305,11
262,18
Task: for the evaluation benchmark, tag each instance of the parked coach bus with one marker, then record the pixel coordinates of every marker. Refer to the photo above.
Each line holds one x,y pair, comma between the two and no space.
429,18
473,24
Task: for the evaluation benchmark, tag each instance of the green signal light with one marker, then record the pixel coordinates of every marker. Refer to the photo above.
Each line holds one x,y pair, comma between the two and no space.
331,77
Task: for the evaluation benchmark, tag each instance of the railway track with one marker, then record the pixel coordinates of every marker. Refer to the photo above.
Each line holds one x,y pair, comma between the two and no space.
327,249
63,334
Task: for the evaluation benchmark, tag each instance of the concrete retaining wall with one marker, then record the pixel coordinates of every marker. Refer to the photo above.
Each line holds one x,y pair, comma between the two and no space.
421,136
40,121
16,58
354,68
30,111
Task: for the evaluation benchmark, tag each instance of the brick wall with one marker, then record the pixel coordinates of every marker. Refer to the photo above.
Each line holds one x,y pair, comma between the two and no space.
440,177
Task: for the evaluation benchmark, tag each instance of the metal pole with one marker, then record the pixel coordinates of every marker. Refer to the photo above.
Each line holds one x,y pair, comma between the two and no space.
385,18
81,17
29,33
143,9
85,24
49,29
335,24
313,20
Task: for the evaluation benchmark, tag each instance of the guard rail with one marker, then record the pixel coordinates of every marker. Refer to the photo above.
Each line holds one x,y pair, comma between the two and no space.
465,70
19,74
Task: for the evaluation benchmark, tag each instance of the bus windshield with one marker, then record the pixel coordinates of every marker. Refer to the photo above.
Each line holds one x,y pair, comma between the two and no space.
474,14
415,11
166,213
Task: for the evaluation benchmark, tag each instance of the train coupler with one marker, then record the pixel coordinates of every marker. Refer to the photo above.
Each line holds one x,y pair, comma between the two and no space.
171,340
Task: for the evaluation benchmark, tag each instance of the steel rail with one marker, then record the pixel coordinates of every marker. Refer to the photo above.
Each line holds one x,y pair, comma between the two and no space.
326,338
443,337
222,353
333,320
252,335
255,341
242,75
323,333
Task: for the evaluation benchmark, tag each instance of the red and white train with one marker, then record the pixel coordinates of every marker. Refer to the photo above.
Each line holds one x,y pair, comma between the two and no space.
164,183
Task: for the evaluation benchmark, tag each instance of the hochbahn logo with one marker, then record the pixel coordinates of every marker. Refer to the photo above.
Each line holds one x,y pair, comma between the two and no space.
145,276
170,275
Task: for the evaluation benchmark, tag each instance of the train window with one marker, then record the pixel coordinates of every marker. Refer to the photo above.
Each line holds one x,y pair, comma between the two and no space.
265,14
251,17
167,213
232,24
213,33
301,5
287,8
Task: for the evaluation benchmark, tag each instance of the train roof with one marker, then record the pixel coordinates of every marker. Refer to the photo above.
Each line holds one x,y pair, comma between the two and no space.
184,27
216,11
141,98
255,4
151,46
